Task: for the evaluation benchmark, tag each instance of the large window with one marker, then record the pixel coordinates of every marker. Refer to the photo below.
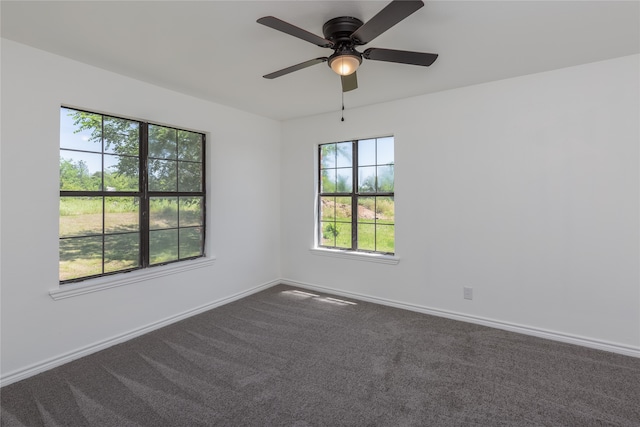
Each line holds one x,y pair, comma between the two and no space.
132,195
356,196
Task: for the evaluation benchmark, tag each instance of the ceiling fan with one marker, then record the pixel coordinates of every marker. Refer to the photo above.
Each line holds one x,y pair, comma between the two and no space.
344,33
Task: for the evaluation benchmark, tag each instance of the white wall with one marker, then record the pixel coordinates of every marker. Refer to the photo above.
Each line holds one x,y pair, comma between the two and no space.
243,207
524,189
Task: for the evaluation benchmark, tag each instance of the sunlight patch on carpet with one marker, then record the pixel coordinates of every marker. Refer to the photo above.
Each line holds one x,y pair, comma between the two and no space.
305,295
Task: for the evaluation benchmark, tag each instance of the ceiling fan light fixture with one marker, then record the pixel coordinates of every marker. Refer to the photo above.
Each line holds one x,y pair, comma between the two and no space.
345,64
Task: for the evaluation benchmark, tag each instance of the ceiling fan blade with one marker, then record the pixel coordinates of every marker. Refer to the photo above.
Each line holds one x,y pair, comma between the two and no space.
349,82
296,67
401,56
292,30
393,13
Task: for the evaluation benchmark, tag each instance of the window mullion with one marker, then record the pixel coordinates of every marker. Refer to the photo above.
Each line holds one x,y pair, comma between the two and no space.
354,197
177,196
144,195
203,189
102,188
320,194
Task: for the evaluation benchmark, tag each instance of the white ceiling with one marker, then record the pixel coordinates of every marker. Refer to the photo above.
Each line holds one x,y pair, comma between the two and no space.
215,50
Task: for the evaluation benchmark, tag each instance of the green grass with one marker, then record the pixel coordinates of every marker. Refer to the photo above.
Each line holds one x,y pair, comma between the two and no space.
82,218
371,236
375,223
74,206
84,256
376,237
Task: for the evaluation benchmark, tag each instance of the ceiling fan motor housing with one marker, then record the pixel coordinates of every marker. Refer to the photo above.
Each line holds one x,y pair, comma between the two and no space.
338,30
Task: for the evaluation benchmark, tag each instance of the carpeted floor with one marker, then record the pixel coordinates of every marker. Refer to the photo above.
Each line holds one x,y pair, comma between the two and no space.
284,357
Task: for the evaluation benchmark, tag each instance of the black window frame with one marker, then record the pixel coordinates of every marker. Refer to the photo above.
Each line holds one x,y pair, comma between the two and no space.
144,195
354,195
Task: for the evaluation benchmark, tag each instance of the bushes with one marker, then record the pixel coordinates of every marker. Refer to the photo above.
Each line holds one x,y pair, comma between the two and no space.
330,231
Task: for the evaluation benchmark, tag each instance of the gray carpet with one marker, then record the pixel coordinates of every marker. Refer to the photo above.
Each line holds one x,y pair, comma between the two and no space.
282,357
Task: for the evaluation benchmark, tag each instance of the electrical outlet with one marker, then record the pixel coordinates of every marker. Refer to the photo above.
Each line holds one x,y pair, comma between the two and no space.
468,292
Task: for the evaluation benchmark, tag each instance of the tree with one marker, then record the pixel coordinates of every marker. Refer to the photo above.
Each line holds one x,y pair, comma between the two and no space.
172,153
121,137
334,158
386,178
75,176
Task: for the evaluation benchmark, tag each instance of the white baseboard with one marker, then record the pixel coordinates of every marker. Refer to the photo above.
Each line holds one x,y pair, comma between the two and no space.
53,362
507,326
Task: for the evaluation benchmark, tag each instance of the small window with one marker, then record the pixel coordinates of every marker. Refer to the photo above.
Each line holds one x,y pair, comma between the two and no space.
356,195
132,195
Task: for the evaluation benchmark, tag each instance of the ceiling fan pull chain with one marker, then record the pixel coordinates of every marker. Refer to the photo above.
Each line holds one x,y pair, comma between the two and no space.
342,120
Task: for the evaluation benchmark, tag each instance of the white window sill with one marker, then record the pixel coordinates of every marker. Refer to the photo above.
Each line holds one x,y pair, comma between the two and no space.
358,256
123,279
